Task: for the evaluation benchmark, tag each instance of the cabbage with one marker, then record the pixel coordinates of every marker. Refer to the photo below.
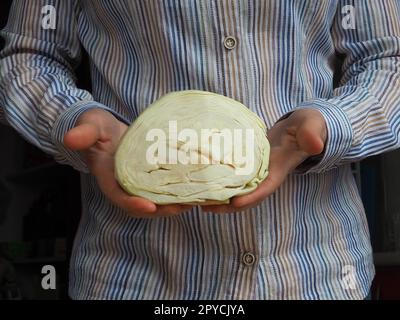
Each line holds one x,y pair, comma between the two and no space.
193,147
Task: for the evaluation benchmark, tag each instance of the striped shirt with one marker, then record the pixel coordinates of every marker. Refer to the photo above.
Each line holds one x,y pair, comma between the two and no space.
310,239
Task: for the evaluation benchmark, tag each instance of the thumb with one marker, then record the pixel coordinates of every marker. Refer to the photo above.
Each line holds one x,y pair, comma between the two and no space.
82,137
311,136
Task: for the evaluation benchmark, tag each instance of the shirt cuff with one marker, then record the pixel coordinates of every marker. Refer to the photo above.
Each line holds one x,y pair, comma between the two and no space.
339,137
65,122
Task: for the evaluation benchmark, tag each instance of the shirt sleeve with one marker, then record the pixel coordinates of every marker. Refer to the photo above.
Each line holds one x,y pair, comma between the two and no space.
363,115
38,94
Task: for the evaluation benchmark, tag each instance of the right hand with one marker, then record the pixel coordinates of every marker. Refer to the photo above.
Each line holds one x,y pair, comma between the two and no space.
97,134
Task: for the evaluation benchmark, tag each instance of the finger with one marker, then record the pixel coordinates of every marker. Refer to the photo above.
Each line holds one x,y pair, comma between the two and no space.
309,139
281,162
275,178
166,211
226,208
312,132
82,137
104,173
131,204
170,210
221,208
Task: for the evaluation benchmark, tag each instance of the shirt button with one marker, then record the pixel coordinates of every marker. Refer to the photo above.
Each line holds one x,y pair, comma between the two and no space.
230,42
248,259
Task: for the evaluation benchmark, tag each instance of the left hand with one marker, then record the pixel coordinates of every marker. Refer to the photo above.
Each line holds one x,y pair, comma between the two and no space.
302,135
97,135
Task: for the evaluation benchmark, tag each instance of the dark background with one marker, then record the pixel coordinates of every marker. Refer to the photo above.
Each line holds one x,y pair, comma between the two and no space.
40,210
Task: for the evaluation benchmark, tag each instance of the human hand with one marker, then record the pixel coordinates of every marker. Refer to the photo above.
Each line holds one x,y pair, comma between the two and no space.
302,135
97,134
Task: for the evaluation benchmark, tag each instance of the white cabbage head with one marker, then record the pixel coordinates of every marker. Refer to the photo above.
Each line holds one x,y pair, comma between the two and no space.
193,147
